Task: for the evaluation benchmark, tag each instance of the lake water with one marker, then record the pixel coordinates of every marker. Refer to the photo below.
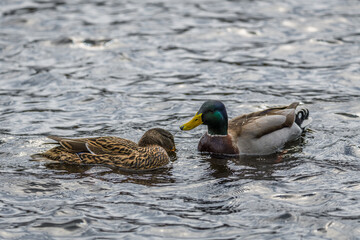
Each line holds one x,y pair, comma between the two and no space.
95,68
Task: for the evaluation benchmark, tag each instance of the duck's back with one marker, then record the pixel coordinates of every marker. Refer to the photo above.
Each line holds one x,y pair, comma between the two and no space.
266,131
143,158
112,151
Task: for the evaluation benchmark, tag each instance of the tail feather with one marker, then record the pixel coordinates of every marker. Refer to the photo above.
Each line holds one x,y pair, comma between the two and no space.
56,138
301,116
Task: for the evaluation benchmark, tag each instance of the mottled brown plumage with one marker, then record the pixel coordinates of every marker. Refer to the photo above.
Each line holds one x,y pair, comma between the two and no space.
151,151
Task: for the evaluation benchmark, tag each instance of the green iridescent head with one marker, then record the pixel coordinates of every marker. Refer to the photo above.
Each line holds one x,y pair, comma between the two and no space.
213,114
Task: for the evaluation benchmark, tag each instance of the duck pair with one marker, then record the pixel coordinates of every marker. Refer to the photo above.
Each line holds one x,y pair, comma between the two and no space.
257,133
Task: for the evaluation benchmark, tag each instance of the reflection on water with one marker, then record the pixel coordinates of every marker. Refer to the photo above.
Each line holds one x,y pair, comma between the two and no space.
98,68
106,173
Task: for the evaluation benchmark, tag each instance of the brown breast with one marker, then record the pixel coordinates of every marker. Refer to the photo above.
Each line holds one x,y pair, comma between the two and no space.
217,144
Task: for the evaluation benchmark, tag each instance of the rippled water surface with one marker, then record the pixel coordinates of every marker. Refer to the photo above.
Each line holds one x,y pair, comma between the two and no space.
95,68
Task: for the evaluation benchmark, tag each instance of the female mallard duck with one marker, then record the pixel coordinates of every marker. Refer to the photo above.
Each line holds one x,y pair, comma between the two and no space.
257,133
151,151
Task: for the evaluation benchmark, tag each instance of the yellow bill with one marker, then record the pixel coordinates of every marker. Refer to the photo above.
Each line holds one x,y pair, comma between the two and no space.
193,123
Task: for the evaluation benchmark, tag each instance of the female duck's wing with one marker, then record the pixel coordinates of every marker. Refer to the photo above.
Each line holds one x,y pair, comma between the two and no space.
111,145
98,145
260,123
141,159
72,145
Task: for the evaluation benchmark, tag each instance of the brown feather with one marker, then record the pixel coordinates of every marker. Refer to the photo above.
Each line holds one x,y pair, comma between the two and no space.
217,144
115,151
236,124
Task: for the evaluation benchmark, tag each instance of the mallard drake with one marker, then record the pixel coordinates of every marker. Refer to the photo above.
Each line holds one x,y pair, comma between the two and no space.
151,151
258,133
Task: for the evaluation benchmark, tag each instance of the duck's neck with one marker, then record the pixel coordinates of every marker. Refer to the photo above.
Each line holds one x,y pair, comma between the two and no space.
220,128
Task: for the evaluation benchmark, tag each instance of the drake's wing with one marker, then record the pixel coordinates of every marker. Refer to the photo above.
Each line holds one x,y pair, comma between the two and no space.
260,123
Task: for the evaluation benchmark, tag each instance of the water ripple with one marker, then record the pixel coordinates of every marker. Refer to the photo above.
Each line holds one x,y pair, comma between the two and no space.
96,68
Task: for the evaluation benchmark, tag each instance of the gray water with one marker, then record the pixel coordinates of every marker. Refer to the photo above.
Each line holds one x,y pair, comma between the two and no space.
94,68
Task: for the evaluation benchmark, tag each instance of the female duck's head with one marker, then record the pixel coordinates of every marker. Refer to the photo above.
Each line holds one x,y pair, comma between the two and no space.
160,137
213,114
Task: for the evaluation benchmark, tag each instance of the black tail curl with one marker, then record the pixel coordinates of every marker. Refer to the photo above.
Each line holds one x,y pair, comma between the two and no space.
301,116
